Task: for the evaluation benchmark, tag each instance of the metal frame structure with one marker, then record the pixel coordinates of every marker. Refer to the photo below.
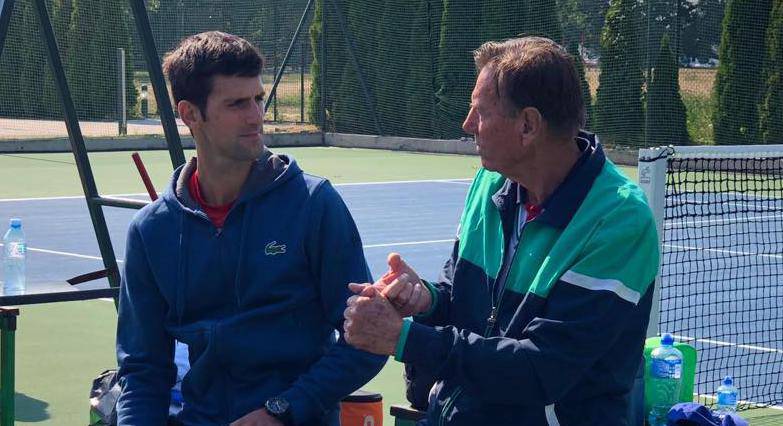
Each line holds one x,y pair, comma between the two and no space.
95,202
652,179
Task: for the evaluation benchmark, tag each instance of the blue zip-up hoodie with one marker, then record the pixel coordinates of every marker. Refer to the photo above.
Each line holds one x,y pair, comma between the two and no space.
257,301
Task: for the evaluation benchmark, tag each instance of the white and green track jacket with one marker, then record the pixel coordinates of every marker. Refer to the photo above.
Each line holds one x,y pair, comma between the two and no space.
571,311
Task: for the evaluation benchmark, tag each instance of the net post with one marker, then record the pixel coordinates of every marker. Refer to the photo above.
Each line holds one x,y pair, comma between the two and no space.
652,179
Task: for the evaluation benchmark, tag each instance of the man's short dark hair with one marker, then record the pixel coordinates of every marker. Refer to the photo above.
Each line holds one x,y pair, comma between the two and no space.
198,58
536,72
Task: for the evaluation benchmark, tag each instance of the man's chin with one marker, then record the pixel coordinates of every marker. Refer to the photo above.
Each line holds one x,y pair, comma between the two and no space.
485,163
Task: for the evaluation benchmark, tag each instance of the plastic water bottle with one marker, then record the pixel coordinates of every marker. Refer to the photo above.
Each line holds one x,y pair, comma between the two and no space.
665,380
14,255
727,397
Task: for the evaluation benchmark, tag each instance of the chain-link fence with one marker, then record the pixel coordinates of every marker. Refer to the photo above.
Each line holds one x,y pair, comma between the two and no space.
90,34
657,71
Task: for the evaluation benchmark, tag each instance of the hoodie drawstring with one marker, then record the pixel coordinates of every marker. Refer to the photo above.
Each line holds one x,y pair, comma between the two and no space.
241,253
182,273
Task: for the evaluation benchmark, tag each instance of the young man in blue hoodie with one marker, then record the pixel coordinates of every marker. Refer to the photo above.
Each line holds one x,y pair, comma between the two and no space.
539,317
244,258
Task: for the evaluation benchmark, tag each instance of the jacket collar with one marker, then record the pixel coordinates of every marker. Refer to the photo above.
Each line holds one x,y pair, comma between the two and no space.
560,207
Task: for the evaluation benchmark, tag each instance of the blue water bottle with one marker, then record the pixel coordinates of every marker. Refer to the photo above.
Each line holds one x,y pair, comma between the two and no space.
14,256
727,398
665,380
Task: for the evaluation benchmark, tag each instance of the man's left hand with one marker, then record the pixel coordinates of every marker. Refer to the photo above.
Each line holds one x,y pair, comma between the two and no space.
372,324
257,418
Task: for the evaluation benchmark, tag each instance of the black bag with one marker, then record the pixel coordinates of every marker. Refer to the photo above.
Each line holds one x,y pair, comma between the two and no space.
103,399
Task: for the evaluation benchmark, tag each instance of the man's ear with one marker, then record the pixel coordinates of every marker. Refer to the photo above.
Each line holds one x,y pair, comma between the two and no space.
531,124
189,113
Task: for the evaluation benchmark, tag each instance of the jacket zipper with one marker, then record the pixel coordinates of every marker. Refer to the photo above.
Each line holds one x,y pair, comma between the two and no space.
491,320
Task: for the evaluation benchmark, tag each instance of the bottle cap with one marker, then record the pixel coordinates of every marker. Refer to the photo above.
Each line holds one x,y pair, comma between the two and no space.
728,381
16,222
667,339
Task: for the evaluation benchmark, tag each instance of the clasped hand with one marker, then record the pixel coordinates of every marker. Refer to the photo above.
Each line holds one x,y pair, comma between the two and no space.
373,318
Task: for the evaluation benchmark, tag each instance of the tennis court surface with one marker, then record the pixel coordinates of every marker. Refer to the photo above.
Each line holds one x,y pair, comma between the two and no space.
409,203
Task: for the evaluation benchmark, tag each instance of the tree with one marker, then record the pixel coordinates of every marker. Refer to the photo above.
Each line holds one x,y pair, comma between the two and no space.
352,112
325,34
97,29
502,19
422,59
456,74
771,124
26,84
573,49
543,19
582,21
700,28
394,47
738,83
666,113
618,110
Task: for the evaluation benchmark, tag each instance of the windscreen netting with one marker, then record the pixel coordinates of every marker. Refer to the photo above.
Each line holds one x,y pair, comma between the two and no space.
654,71
89,34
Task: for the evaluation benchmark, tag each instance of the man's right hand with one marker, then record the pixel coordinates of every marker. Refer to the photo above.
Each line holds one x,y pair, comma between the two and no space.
401,286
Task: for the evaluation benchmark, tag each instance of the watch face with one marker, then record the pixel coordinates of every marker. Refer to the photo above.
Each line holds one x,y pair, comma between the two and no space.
277,406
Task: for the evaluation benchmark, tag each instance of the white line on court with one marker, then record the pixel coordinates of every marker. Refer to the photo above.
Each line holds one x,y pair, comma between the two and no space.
681,223
65,197
731,203
64,253
741,253
393,182
84,256
720,343
409,243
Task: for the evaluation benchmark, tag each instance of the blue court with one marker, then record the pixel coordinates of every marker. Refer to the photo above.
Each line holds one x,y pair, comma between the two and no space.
416,218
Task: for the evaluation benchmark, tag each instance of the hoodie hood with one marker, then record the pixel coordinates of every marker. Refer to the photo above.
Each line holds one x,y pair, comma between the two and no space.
267,173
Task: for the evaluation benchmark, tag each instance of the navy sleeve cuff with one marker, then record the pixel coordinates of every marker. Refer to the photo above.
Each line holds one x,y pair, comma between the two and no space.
428,347
304,407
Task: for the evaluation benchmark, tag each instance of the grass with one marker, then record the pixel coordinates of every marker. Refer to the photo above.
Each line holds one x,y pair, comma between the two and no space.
696,90
55,174
699,118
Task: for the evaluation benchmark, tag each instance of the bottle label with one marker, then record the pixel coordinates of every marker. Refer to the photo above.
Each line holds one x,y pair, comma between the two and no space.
666,368
727,398
16,250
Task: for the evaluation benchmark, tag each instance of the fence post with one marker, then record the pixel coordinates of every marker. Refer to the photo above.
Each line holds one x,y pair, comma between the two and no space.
301,82
122,104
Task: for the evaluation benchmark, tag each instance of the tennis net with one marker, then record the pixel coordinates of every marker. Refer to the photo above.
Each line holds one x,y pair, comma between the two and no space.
720,216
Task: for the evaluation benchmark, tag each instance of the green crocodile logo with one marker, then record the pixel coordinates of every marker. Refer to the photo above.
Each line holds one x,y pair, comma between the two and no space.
273,249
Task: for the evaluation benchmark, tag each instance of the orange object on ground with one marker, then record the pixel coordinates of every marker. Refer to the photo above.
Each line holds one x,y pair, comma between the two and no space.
362,408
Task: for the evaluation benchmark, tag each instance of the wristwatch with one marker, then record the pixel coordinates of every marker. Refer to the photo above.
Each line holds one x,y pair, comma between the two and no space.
280,409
